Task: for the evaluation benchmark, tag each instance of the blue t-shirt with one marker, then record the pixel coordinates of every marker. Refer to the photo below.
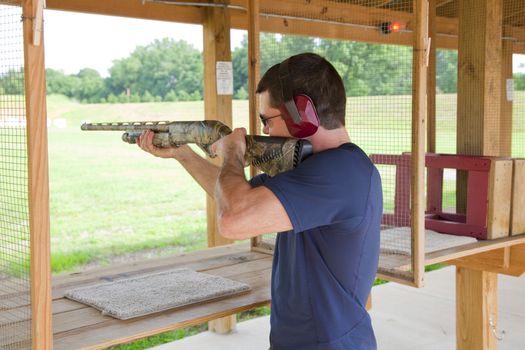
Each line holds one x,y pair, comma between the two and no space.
323,270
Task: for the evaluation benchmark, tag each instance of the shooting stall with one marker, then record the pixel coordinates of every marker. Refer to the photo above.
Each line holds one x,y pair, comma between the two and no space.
485,34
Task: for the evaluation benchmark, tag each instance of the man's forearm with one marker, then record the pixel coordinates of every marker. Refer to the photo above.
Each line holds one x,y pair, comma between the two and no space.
203,171
231,192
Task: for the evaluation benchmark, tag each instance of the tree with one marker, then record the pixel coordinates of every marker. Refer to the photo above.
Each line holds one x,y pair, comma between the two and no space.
91,86
163,66
12,83
59,83
519,81
447,71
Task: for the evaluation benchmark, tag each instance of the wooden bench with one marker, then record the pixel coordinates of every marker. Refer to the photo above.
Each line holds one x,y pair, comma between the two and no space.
77,326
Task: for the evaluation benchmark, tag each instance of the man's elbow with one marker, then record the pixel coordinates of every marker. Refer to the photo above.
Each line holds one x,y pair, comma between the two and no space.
229,226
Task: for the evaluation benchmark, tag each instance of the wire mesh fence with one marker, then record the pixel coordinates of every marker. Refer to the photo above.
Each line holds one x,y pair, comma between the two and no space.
15,311
377,73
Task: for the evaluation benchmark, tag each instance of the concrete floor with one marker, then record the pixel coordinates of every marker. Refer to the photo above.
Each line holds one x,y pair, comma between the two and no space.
403,318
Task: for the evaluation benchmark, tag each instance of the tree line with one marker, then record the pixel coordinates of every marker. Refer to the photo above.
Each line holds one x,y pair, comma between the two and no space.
169,70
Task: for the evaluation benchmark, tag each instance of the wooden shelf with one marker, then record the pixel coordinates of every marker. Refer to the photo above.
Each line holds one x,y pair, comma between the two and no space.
77,326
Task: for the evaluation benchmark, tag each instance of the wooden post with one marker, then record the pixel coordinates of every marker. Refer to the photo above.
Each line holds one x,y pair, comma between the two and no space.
38,192
478,133
476,309
216,32
254,66
479,83
431,82
506,99
419,111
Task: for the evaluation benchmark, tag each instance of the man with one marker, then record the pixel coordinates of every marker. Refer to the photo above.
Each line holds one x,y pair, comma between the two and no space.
327,210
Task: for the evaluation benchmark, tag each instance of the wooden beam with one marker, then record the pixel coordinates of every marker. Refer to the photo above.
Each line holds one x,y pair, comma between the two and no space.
517,226
443,3
254,66
476,309
431,83
132,9
419,115
505,127
508,261
330,21
216,33
38,189
217,106
479,83
499,198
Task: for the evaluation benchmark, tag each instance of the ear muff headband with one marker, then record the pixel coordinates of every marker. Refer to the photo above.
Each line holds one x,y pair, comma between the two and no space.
286,88
298,111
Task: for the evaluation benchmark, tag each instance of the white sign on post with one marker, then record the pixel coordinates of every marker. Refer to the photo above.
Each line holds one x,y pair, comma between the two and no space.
224,72
510,90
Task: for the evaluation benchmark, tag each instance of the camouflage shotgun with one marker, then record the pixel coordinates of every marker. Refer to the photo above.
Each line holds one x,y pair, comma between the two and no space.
270,154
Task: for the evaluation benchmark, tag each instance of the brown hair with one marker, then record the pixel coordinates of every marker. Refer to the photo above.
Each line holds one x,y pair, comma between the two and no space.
314,76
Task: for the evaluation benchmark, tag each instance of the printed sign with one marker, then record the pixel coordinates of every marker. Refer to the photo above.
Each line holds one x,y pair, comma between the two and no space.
224,71
510,90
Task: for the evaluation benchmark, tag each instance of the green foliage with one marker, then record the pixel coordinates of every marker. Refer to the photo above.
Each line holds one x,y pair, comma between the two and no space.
241,94
147,97
12,82
161,338
447,71
163,66
519,81
173,70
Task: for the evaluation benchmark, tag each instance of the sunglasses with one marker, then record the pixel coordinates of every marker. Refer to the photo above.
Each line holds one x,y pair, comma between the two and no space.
264,119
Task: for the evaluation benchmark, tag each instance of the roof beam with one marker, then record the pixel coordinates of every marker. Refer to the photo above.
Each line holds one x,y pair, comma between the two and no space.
297,17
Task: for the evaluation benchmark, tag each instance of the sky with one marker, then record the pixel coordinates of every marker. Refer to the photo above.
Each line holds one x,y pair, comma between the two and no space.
74,41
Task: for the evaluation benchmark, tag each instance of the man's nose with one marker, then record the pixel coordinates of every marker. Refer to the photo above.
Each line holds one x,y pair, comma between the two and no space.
266,129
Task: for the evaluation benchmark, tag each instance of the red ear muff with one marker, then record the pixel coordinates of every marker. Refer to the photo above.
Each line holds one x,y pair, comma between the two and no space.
309,121
298,111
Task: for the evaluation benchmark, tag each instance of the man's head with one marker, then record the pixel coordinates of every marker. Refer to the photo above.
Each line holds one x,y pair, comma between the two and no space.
311,75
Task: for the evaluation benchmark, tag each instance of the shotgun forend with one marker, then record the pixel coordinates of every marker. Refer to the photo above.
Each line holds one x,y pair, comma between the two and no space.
270,154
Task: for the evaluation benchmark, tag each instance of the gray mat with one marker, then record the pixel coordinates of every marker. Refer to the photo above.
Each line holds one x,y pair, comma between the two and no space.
139,296
397,241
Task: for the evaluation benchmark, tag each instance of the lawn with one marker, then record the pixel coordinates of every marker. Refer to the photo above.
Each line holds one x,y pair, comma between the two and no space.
109,198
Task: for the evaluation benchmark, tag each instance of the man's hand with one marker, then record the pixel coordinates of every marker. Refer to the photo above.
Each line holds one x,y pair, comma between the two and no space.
231,146
145,141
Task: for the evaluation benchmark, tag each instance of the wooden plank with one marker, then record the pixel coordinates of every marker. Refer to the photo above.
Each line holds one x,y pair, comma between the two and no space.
38,186
447,28
508,261
111,332
233,272
220,255
226,265
131,9
419,115
472,249
518,198
476,309
254,75
431,82
499,199
197,265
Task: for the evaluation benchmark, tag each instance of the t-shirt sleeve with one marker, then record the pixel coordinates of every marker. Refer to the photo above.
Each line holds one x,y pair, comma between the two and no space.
325,189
